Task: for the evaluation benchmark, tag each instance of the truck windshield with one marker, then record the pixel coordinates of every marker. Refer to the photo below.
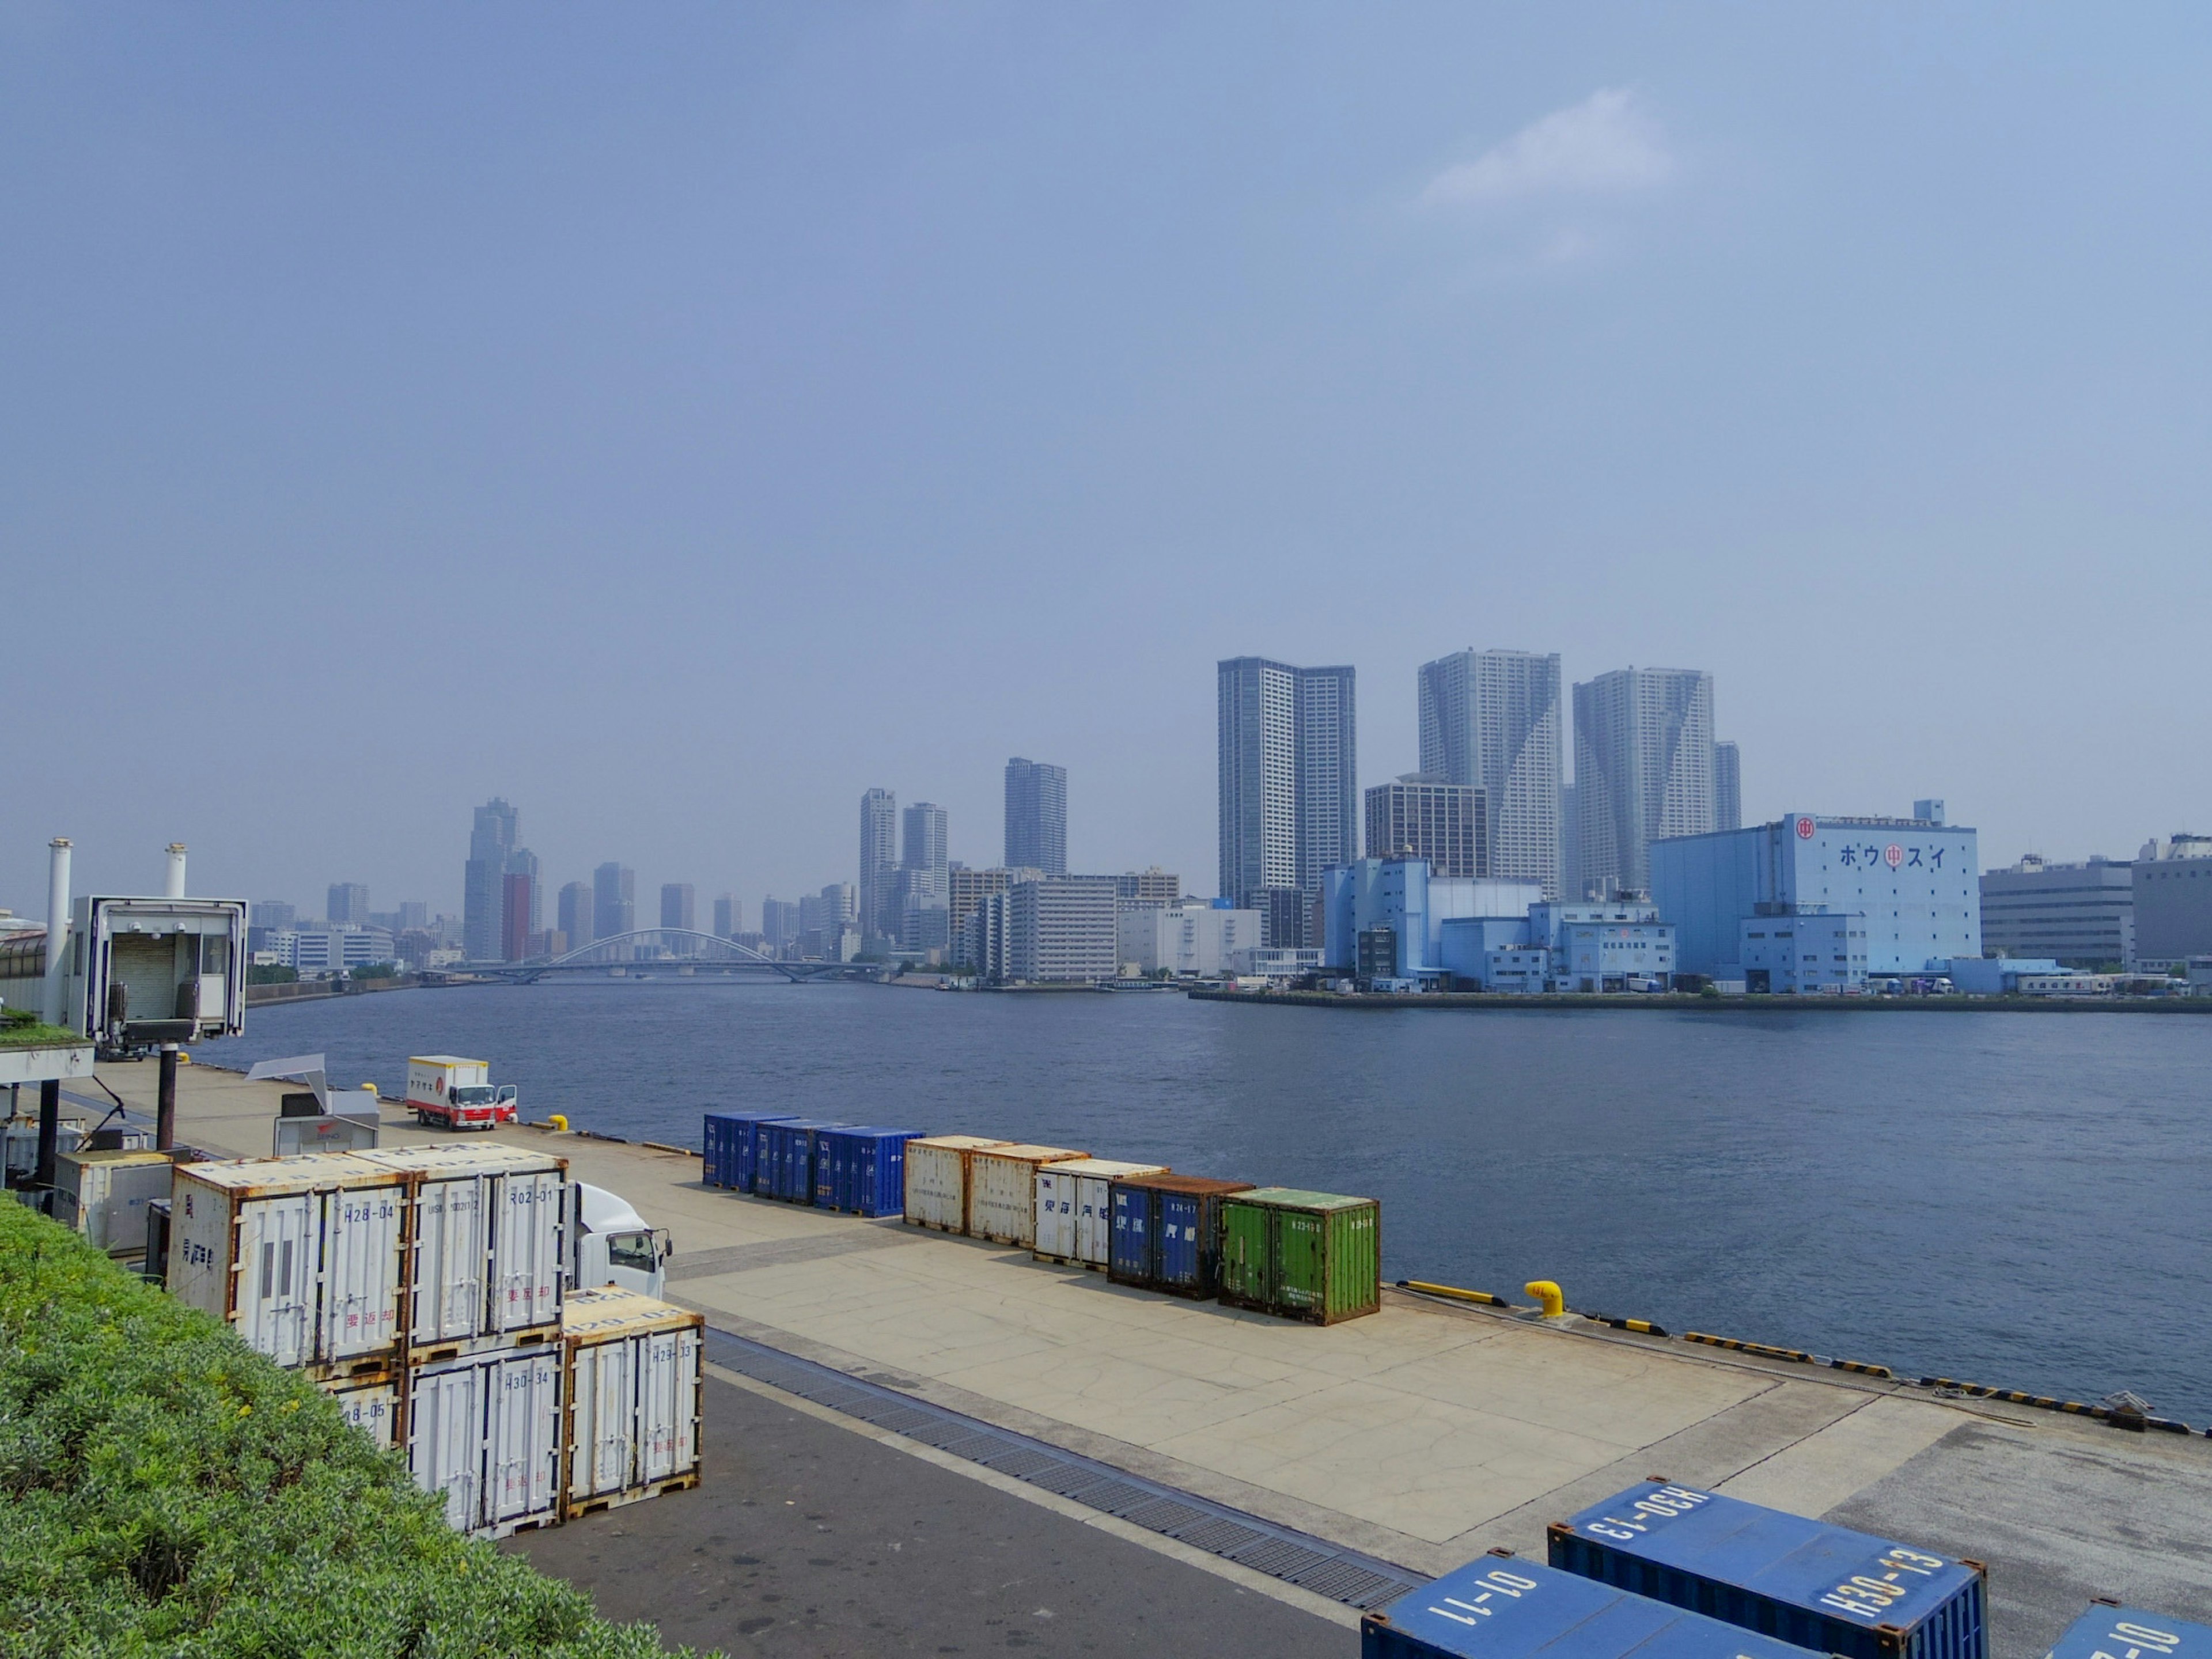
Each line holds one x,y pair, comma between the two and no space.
631,1250
471,1094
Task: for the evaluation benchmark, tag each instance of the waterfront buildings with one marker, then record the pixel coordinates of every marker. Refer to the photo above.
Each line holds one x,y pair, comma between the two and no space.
879,863
2078,915
348,905
1036,816
1402,897
1288,759
275,914
729,916
1058,929
313,950
494,834
965,889
1644,770
2172,893
780,930
1912,881
1186,938
680,906
921,898
1728,787
1422,816
829,923
614,901
1801,952
573,914
1490,719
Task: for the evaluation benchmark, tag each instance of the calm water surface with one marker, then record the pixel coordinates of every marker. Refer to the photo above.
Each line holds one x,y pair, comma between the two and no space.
2015,1199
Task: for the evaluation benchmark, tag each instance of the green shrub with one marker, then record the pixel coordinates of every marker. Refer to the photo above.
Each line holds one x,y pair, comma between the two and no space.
163,1490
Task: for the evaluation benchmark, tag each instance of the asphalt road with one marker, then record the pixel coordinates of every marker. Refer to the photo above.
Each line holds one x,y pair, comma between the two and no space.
806,1538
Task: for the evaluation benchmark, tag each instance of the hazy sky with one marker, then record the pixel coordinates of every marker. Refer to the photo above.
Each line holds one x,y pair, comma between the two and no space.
676,419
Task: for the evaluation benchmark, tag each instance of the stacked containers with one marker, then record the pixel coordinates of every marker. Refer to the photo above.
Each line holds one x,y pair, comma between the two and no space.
1820,1587
371,1407
938,1180
104,1196
1002,1191
1311,1256
634,1398
861,1170
787,1155
1497,1607
2109,1628
733,1147
1075,1211
1167,1233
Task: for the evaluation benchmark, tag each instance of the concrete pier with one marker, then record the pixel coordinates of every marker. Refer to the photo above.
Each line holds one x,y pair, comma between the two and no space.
1423,1435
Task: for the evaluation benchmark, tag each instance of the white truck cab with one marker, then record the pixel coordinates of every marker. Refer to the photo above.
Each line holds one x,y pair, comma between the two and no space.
612,1243
456,1093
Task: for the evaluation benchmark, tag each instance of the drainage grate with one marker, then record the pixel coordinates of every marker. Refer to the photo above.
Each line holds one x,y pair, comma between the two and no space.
1312,1563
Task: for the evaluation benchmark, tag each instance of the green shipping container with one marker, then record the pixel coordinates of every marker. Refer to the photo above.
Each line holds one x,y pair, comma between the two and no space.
1314,1256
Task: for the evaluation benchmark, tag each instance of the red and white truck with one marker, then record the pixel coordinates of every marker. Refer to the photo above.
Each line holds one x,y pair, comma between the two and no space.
456,1093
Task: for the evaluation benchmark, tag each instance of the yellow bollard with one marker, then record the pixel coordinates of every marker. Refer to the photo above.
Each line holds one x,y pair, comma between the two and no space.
1549,1297
371,1087
559,1122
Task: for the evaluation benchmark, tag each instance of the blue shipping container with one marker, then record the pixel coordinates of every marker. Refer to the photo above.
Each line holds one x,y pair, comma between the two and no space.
2108,1628
862,1170
1802,1581
1167,1232
1500,1607
1129,1252
786,1158
733,1147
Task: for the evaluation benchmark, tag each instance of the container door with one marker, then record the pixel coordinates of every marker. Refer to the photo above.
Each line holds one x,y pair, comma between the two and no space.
361,1272
1129,1258
522,1438
1243,1251
371,1410
451,1251
1093,1225
750,1137
1354,1284
668,1392
278,1241
1055,1212
605,1418
446,1438
933,1186
832,1156
1301,1258
1178,1241
526,1250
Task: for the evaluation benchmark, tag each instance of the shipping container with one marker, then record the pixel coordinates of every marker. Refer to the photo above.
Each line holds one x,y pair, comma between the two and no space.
371,1407
104,1196
1167,1233
733,1147
634,1398
2109,1631
1498,1606
485,1238
862,1170
786,1158
1802,1581
937,1179
1312,1256
484,1432
299,1255
1075,1208
1002,1191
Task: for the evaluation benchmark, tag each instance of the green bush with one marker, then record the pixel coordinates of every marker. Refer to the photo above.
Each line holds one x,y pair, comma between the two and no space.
163,1490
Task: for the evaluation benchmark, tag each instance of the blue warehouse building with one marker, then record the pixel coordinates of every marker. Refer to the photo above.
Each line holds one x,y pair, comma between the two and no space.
1897,895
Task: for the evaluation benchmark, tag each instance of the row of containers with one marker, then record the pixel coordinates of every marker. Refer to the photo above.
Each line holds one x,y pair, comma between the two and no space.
1667,1572
1305,1255
426,1290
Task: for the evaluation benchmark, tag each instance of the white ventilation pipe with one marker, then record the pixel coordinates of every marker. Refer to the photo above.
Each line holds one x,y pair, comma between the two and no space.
57,908
176,870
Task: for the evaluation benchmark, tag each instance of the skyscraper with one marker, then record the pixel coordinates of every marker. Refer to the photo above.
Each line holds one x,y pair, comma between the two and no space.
923,895
1728,787
1491,719
680,906
1036,816
1643,769
524,862
879,864
1288,763
729,916
614,901
348,905
1421,815
515,916
496,833
575,915
779,924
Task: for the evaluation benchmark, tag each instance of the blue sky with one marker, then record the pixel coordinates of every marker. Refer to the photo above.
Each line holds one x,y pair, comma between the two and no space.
678,420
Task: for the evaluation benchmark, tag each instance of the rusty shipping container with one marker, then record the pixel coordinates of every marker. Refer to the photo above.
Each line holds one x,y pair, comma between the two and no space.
937,1179
1167,1233
1002,1191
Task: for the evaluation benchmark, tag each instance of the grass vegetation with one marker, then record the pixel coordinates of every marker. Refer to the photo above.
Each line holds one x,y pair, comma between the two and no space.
165,1491
22,1029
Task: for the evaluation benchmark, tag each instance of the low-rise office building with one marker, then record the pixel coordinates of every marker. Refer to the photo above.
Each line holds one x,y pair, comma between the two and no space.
2080,915
1276,962
1801,953
1187,938
1401,896
2172,887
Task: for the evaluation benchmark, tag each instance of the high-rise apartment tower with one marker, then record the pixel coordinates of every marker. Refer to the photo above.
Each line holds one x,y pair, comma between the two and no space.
1643,769
1036,816
1490,719
878,865
1289,809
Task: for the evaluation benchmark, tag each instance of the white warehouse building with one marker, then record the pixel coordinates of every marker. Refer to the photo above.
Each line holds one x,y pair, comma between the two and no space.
1187,938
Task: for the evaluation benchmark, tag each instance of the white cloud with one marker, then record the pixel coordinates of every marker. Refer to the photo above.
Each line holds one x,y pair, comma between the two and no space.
1608,144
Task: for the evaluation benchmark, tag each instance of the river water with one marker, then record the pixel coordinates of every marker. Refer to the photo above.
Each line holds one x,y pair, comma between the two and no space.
2019,1200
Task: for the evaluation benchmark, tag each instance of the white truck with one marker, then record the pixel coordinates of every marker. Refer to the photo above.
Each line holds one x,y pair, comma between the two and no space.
456,1093
610,1243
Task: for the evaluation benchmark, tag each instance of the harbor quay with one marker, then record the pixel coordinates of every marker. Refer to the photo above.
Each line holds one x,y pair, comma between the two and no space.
1413,1439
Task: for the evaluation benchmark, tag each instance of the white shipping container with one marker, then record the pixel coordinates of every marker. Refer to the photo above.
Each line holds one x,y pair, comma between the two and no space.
937,1180
634,1397
104,1196
299,1255
1002,1191
484,1432
489,1238
1074,1208
374,1408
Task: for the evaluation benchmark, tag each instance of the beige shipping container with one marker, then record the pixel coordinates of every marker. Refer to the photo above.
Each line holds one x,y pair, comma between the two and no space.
1074,1208
937,1179
371,1407
635,1399
104,1196
1002,1191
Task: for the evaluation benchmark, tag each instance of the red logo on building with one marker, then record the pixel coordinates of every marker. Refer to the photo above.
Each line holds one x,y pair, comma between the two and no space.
1805,828
1892,856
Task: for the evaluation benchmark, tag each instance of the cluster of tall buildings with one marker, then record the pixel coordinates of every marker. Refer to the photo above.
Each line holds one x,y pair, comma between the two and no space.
1489,800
